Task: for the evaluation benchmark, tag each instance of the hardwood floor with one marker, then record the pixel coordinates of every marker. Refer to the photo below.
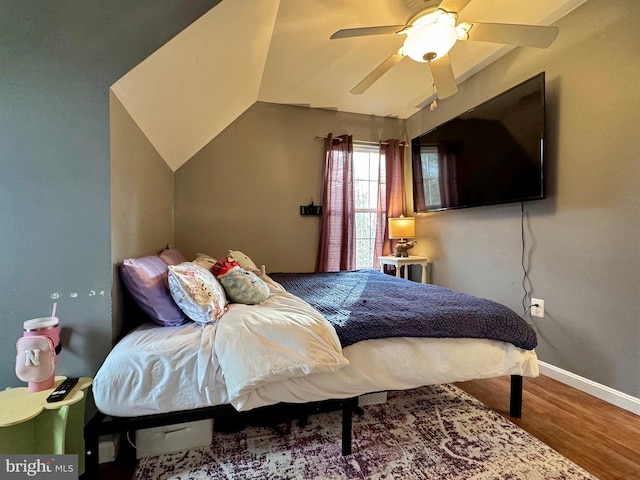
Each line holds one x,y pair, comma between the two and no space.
601,438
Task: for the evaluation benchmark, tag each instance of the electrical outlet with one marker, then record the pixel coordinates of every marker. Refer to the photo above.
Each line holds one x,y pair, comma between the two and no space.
537,307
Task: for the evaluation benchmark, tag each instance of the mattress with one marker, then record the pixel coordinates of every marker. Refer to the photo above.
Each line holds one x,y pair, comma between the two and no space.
162,369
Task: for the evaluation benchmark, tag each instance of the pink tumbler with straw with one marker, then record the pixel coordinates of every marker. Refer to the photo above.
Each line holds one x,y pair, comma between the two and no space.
46,327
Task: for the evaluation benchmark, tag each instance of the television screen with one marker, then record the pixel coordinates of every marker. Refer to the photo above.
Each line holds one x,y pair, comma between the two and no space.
489,155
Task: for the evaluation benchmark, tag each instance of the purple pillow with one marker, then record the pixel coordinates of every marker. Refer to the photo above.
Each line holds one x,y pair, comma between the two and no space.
146,279
172,256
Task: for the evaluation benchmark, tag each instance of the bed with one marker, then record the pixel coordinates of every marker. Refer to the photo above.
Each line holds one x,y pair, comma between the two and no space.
331,340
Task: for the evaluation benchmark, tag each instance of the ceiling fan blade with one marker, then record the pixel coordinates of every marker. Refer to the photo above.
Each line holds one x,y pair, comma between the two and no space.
377,73
454,6
522,35
363,31
443,77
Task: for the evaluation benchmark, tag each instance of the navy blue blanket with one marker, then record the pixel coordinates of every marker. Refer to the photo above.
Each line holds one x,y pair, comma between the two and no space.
367,304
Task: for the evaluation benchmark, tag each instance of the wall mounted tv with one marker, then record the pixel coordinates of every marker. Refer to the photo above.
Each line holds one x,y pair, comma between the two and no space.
489,155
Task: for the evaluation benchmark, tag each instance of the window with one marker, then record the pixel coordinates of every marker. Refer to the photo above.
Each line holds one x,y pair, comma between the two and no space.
430,178
368,167
363,184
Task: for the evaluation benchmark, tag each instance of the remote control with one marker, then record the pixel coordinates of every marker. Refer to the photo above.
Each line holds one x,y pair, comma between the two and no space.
62,390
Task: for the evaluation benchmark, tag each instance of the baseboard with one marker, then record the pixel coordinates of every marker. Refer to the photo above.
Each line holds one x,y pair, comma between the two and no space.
609,395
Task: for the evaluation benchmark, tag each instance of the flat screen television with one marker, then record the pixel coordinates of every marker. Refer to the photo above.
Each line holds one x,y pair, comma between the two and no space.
492,154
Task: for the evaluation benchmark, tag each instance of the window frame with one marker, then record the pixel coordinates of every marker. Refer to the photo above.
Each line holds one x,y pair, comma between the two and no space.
375,178
432,199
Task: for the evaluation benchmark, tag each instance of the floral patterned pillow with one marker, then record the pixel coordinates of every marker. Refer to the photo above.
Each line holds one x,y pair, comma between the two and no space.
242,286
196,291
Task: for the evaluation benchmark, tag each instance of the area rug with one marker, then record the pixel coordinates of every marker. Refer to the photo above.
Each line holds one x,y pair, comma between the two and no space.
436,432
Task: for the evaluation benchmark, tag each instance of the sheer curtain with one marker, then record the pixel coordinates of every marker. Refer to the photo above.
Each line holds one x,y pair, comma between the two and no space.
391,199
336,250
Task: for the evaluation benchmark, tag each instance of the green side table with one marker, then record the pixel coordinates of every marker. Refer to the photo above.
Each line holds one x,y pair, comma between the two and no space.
28,424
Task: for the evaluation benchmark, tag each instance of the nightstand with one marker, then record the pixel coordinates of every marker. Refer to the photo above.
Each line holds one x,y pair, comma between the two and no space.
400,262
28,424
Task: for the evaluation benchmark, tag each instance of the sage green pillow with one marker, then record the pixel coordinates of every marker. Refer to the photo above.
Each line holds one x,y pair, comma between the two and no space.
244,287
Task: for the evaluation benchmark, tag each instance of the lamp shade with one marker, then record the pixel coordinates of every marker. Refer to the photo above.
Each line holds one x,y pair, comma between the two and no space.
402,227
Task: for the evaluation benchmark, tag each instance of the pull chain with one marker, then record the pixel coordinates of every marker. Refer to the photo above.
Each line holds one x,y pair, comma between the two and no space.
433,105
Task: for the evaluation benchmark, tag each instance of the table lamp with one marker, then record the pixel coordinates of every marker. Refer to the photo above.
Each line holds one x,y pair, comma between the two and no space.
402,228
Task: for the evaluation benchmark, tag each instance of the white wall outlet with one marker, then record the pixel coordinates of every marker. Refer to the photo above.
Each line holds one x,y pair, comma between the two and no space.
537,307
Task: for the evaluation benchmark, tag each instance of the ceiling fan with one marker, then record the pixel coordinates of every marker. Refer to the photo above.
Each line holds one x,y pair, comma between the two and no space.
432,32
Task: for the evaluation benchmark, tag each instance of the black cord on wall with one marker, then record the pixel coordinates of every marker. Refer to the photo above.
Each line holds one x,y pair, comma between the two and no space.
526,282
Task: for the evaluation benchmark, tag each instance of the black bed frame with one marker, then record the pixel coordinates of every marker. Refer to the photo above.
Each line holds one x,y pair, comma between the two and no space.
102,424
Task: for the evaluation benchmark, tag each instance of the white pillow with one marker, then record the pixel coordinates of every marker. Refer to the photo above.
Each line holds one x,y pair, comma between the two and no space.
205,261
196,291
243,260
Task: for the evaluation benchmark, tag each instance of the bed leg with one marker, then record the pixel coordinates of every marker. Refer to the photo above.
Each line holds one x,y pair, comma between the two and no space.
515,407
347,412
91,448
91,460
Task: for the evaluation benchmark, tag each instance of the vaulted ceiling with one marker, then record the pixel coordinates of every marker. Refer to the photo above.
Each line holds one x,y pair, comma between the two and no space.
279,51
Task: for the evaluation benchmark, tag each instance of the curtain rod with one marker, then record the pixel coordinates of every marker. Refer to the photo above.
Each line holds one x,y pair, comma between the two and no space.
361,141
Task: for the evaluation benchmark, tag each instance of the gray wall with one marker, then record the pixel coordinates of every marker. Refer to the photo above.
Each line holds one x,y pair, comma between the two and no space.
583,242
57,61
243,190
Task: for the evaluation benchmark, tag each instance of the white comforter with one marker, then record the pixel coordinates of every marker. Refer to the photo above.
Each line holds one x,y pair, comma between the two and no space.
283,337
250,346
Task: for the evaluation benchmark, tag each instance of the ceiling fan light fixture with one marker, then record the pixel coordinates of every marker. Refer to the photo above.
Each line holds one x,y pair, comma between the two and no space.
431,37
432,31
